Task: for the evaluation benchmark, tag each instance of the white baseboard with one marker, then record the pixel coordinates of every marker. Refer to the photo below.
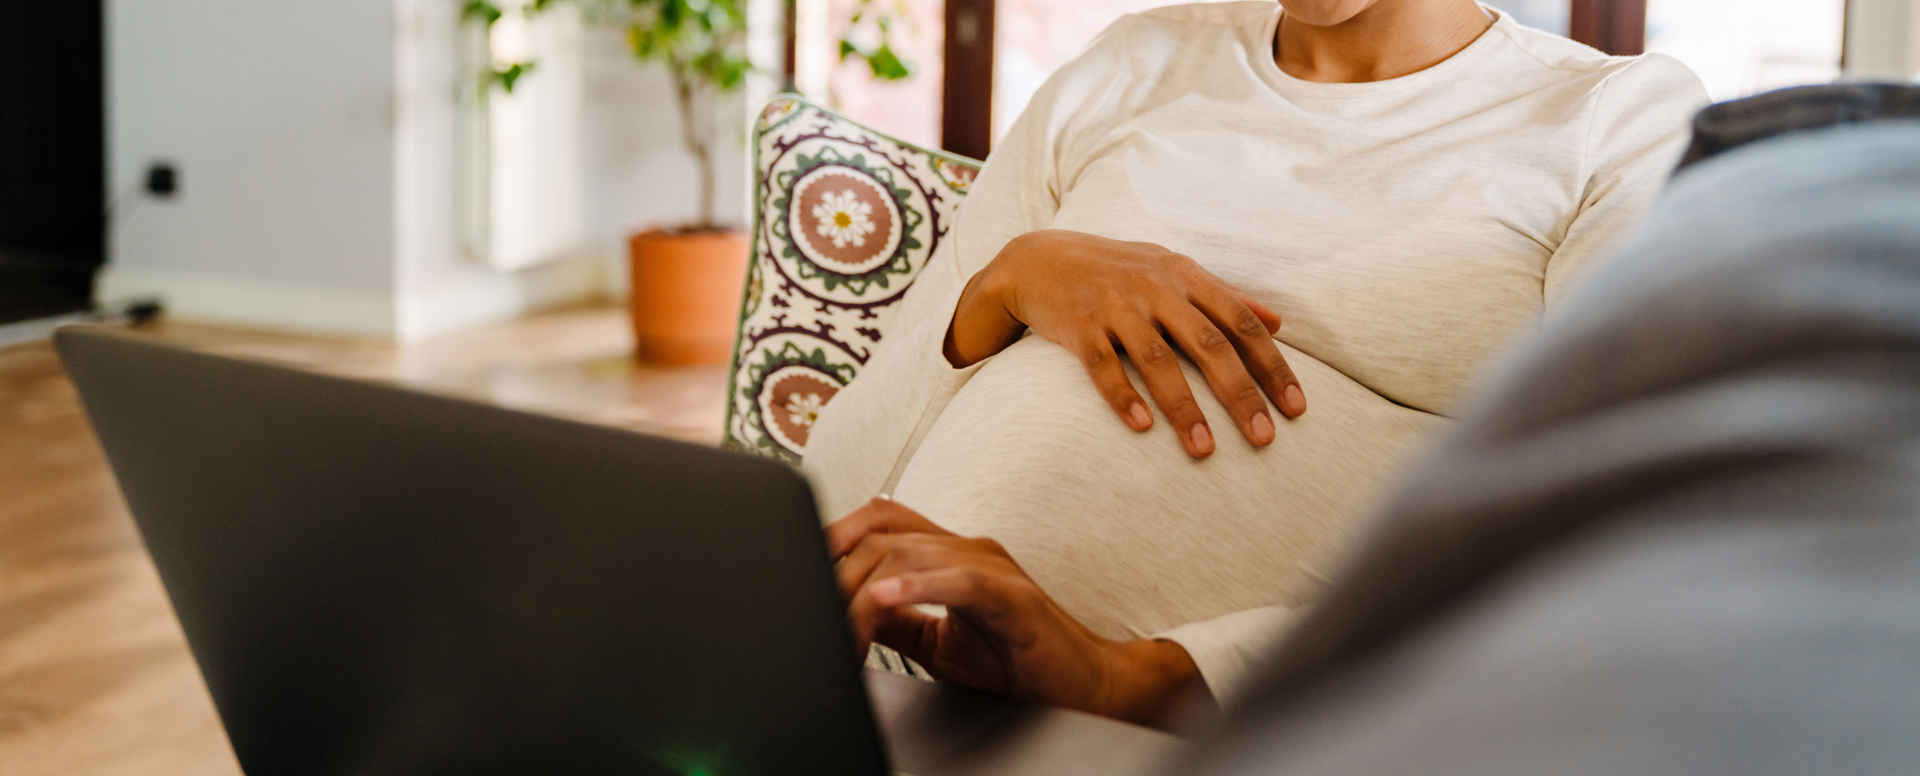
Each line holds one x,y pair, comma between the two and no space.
252,302
477,295
456,299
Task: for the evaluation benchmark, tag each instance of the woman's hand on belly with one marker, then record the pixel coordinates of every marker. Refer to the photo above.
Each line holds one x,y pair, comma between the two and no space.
1001,632
1099,298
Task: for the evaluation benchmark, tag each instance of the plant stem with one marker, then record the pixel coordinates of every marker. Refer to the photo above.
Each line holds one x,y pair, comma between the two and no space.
697,143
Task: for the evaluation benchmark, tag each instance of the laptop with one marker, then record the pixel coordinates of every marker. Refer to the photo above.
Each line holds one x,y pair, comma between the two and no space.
375,580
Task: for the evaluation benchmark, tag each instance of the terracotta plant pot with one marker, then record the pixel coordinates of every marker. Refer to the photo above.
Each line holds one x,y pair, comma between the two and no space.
685,294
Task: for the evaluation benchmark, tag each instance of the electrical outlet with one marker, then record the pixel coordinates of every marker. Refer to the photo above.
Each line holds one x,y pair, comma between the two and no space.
163,180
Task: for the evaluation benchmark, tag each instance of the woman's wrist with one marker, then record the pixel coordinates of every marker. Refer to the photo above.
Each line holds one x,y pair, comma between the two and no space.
1151,681
983,323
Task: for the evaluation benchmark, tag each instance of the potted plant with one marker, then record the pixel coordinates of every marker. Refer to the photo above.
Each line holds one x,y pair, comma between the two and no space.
685,279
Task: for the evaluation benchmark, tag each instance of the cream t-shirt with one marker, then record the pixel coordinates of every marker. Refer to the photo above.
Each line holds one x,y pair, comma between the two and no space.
1404,229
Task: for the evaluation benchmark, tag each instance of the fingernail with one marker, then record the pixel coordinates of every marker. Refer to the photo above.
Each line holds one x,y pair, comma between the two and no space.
886,591
1262,428
1202,438
1295,400
1139,417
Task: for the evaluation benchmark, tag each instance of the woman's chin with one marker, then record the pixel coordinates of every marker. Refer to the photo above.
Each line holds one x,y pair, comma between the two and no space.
1325,13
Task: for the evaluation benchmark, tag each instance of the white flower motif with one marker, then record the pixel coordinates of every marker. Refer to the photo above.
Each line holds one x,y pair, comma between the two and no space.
804,408
844,217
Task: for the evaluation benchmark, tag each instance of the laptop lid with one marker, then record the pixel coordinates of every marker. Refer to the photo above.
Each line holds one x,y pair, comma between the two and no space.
376,580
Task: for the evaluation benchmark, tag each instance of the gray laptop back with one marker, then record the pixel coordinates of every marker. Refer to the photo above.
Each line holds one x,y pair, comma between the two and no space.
375,580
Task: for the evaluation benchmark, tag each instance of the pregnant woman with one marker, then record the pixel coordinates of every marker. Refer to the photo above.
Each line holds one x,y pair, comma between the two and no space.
1226,271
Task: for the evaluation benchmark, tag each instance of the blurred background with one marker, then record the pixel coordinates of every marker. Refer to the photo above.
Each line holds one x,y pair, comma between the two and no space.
503,199
384,168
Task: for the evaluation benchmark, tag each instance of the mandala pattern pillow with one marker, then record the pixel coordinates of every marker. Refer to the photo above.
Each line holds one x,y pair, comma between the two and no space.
844,219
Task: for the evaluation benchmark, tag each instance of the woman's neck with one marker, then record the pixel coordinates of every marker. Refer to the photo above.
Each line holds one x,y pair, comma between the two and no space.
1388,40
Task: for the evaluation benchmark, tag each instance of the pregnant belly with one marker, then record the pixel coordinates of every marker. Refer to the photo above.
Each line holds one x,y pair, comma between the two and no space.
1122,528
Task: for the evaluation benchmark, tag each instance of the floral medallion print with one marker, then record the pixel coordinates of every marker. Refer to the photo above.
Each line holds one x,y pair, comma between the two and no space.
956,175
777,110
844,223
804,408
844,220
788,380
791,402
859,263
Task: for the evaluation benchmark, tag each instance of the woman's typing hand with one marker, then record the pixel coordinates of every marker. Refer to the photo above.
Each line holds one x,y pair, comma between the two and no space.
1102,298
1001,632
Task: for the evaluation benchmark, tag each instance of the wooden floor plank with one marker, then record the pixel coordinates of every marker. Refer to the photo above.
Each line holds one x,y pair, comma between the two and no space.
95,676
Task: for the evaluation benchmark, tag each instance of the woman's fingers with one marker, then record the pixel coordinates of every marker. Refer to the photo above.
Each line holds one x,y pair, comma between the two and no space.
1110,379
995,600
1251,326
879,515
1159,366
894,552
1268,318
866,614
856,566
1219,359
912,633
872,621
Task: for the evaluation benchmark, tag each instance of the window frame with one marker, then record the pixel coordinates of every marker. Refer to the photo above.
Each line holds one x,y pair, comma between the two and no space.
966,103
1617,27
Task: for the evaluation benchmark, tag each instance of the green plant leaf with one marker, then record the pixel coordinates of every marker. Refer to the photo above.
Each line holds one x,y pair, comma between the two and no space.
510,75
702,40
732,72
886,65
673,14
485,11
644,41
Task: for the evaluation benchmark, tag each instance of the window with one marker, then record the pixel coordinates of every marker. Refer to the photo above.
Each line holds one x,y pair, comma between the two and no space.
909,109
978,62
1036,37
1025,41
1549,15
1752,46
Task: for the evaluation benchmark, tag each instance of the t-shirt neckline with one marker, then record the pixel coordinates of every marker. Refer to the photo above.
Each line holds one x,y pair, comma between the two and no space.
1292,86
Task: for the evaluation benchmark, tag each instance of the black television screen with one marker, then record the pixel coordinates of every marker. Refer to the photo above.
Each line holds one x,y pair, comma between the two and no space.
52,159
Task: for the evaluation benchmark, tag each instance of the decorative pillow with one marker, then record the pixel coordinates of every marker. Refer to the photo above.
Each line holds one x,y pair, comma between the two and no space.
844,218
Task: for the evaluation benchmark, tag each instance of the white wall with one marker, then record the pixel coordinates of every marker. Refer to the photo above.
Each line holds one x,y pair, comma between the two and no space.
615,168
317,144
639,175
438,286
279,118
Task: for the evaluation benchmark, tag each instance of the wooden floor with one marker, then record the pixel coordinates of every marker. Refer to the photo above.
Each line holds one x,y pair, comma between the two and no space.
95,677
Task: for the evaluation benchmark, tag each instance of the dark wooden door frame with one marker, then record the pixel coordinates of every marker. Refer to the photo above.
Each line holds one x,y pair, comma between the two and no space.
789,45
966,91
1846,32
966,88
1614,26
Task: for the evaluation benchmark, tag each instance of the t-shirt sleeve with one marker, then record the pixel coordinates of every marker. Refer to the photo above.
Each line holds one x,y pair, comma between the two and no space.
1229,649
1640,127
855,449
